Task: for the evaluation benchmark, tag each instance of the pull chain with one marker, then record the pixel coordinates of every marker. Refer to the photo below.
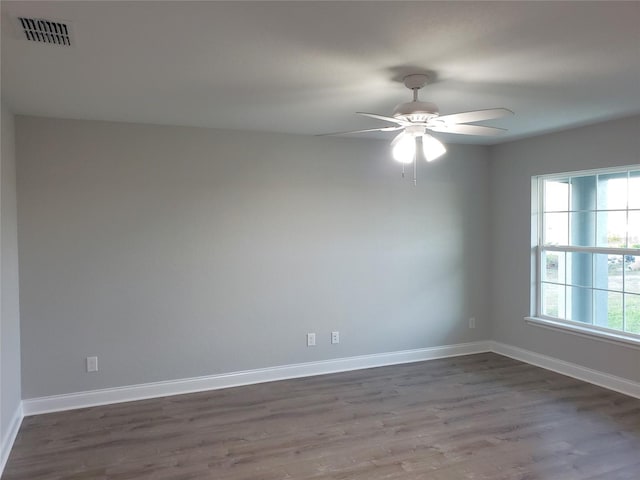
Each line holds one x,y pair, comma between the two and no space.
415,149
415,170
415,160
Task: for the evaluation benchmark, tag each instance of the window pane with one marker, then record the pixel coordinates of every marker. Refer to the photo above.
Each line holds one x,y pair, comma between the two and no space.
583,229
612,229
556,228
633,229
634,189
556,195
632,273
632,313
579,269
612,191
608,309
608,272
553,266
553,300
579,304
583,193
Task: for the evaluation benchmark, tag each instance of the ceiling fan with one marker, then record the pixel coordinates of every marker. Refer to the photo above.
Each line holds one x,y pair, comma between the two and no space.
417,118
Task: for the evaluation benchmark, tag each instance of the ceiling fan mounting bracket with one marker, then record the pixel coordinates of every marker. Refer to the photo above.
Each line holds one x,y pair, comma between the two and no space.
415,81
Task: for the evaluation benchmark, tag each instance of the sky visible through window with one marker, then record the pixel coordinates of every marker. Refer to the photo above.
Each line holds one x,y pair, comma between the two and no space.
622,229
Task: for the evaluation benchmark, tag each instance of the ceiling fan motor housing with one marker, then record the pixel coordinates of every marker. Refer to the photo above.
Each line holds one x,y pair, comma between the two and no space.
416,111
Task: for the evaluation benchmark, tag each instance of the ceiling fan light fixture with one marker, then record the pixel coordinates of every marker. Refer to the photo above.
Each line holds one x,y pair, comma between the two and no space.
432,148
403,148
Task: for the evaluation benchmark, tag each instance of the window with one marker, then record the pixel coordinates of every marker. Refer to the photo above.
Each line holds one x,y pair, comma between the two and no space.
587,250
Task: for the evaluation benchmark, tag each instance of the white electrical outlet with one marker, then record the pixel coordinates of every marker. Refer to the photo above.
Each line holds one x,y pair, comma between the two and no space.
311,339
92,364
472,322
335,337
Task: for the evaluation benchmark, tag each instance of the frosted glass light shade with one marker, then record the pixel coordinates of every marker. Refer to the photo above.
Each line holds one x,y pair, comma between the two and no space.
432,148
403,148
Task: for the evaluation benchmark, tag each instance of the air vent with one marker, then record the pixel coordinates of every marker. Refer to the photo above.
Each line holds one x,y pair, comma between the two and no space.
45,31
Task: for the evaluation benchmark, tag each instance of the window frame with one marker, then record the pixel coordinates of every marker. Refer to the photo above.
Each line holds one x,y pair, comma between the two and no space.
538,248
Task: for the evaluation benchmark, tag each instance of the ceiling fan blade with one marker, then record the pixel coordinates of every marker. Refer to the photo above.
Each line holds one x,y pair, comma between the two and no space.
467,129
476,116
383,129
386,119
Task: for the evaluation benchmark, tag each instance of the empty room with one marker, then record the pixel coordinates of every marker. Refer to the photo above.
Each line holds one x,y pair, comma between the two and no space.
350,240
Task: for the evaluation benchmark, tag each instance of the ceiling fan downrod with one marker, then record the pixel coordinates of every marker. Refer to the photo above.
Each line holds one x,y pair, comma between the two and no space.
415,82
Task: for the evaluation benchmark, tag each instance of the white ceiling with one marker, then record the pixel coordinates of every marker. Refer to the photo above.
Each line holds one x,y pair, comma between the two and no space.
306,67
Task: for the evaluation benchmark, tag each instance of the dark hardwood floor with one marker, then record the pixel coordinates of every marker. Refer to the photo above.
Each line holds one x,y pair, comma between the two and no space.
474,417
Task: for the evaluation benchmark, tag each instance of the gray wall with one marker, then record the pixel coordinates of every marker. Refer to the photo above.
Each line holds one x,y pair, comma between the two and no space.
512,166
176,252
10,395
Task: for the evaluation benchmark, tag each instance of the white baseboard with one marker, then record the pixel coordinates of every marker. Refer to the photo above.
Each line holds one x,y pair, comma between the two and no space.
10,437
595,377
56,403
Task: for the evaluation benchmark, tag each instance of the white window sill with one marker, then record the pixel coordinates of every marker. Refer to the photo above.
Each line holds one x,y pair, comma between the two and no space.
609,337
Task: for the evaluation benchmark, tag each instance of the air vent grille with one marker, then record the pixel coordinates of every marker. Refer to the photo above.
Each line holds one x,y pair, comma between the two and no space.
45,31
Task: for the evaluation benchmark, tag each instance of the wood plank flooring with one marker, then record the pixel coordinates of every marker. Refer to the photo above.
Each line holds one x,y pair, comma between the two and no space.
473,417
